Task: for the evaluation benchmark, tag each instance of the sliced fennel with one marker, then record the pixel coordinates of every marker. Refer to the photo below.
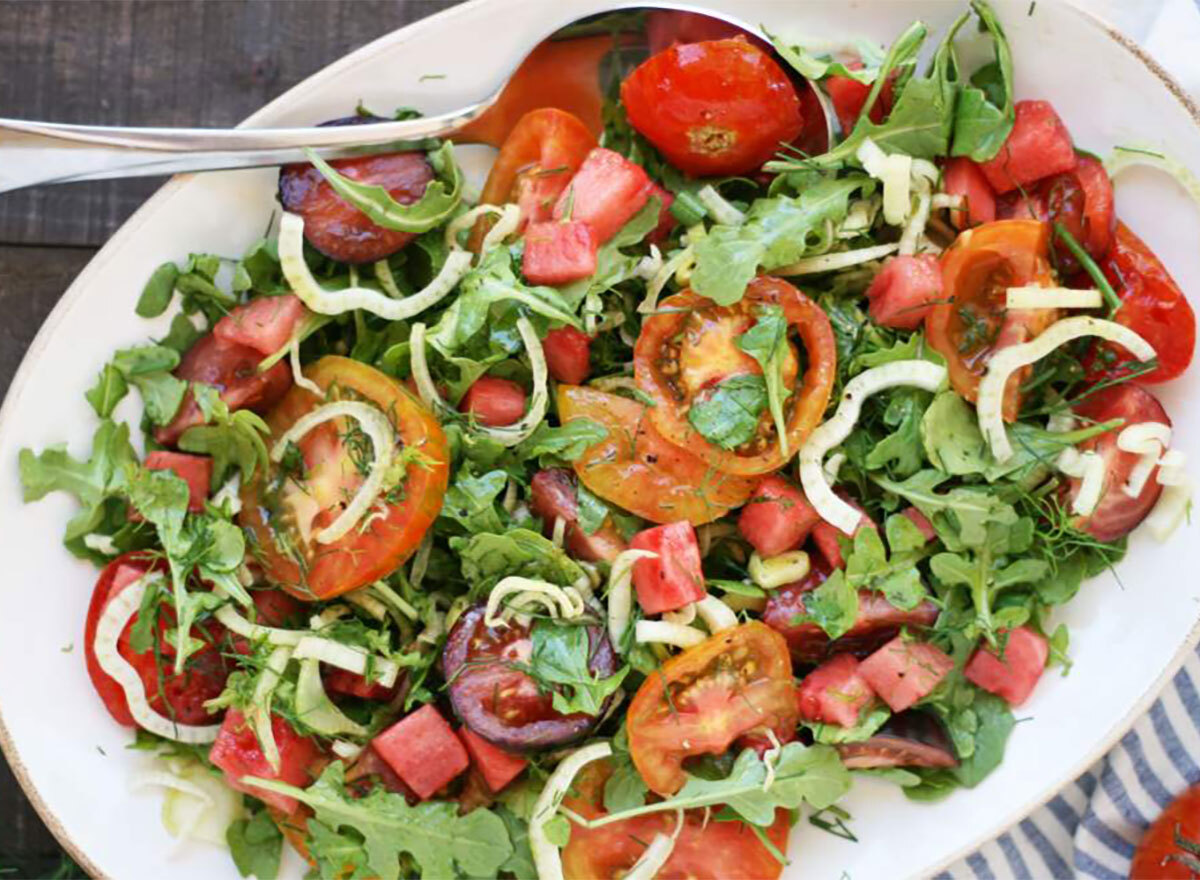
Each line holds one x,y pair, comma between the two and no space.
348,657
721,210
315,709
716,614
620,593
197,804
1052,298
667,633
513,593
838,260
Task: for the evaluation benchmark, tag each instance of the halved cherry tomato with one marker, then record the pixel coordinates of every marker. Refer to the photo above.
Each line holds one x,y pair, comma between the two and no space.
962,177
195,470
700,701
237,753
1152,305
568,354
283,511
777,518
635,468
494,402
688,348
553,495
1013,672
705,849
1038,145
1117,514
904,291
1159,855
264,324
673,577
713,108
976,273
180,696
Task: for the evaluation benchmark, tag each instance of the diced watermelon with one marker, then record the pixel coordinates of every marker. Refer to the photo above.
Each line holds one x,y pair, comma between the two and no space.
1014,674
921,522
904,291
557,252
195,470
1038,146
903,672
423,750
265,324
498,767
605,193
828,537
777,518
674,579
834,692
962,177
236,752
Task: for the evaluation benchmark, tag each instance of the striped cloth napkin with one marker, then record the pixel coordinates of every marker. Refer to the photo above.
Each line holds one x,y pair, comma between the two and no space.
1091,828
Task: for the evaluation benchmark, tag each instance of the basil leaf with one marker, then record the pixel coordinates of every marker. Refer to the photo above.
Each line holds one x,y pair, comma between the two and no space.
728,415
766,341
256,845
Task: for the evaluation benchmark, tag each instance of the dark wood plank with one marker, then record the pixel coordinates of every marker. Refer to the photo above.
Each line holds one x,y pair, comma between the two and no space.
117,62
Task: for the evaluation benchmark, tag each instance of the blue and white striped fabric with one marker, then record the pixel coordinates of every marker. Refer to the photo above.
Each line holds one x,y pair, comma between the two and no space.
1091,829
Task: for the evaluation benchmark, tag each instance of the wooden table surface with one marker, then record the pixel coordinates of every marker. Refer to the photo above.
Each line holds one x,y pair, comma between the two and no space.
119,62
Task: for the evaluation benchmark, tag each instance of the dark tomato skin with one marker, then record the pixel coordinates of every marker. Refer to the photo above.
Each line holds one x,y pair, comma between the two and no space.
567,354
713,108
1117,514
909,739
501,704
494,402
552,494
233,370
334,226
1158,856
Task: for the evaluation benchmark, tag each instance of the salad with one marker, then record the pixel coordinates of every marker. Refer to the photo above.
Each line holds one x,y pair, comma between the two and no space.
612,520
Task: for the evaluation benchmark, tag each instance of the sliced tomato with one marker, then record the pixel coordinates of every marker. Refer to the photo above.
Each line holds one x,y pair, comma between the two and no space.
283,511
1159,855
423,750
674,578
195,470
233,370
338,229
1152,305
904,671
777,518
265,324
553,495
237,753
904,291
498,767
635,468
974,322
494,402
700,701
558,252
834,692
690,346
1038,146
962,177
605,193
1117,513
180,696
568,354
492,696
713,108
1015,671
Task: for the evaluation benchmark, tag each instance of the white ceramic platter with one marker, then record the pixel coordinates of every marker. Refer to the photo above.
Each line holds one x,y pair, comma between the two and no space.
1128,634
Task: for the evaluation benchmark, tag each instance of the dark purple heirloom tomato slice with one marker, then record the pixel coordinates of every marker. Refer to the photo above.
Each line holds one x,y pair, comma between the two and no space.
909,739
501,703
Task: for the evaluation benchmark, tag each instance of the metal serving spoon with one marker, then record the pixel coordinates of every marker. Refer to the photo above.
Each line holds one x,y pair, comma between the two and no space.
34,153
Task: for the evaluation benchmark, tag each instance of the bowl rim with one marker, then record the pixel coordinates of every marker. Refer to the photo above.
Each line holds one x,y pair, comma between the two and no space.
369,52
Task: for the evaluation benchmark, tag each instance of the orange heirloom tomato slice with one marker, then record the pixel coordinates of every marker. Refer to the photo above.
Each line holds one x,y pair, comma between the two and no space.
635,468
690,346
284,509
973,322
700,701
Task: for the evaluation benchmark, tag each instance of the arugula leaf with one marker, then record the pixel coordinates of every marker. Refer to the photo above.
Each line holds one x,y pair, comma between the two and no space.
233,439
815,67
442,195
592,511
197,283
566,442
337,855
961,516
109,390
873,717
559,656
182,335
157,293
486,558
985,113
869,567
520,863
256,845
162,395
613,266
148,369
901,449
833,605
728,414
471,501
437,838
625,788
766,341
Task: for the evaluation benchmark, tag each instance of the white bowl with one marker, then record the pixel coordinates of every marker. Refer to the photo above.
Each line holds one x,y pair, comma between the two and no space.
1128,634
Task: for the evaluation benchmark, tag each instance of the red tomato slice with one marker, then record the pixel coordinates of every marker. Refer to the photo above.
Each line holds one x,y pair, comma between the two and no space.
903,671
904,291
494,402
1159,856
284,511
1117,514
568,354
1038,146
605,193
237,753
777,518
1014,673
265,324
423,751
558,252
713,108
703,699
1152,305
195,470
553,495
674,579
498,767
962,177
834,692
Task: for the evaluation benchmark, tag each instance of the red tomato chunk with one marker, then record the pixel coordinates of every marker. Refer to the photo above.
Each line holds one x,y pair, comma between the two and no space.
903,672
1038,146
674,579
423,751
1015,672
557,252
237,753
904,291
498,767
777,518
605,193
494,402
195,470
834,693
